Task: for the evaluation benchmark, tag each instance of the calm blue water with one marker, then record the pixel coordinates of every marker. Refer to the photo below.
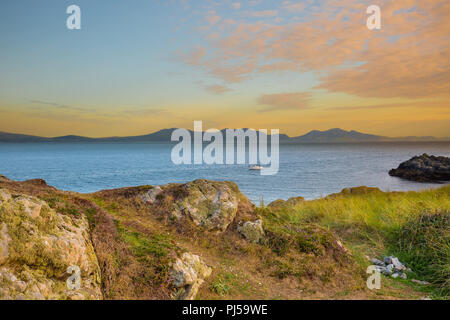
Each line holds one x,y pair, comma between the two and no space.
310,171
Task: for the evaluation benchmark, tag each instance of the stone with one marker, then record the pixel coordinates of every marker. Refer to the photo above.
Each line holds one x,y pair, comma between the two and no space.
252,231
424,283
5,239
150,195
37,245
403,276
387,260
210,204
397,264
380,269
187,275
291,202
389,270
395,275
424,168
377,262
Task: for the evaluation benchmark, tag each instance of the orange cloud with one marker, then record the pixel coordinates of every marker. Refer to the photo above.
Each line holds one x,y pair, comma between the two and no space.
285,101
408,57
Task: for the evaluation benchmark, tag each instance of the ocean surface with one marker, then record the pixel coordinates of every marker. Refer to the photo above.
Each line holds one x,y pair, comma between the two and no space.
309,170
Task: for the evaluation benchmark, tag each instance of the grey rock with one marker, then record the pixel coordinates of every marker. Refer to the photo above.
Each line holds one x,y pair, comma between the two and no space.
377,262
395,275
380,269
403,276
422,282
397,264
388,260
389,270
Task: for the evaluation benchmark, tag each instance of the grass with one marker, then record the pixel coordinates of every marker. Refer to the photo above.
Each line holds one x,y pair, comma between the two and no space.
424,243
413,226
228,283
300,257
157,252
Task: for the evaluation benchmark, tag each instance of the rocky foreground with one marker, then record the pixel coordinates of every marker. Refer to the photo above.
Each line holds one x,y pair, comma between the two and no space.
424,168
198,240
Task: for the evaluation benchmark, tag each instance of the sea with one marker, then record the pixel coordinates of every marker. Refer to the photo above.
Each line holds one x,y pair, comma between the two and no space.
308,170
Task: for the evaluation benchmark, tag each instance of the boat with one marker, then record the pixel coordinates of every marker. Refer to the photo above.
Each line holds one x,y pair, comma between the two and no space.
255,168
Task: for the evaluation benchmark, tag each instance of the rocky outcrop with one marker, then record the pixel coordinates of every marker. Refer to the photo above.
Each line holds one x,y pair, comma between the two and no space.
355,191
187,275
280,203
252,231
424,168
212,205
37,247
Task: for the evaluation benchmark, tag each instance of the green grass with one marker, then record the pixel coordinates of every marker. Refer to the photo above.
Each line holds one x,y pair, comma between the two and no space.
157,252
413,226
228,283
424,243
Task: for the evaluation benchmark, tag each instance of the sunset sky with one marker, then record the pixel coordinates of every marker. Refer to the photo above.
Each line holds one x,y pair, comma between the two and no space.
139,66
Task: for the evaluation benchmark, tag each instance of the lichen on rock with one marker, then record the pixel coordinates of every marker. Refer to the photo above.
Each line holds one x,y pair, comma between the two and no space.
252,231
210,204
37,245
150,195
187,275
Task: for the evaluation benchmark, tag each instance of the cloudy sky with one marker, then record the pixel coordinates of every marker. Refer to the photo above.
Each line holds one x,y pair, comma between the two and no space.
143,65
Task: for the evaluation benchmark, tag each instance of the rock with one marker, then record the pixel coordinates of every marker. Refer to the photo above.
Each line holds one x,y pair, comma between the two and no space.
150,196
252,231
187,275
389,270
377,262
380,269
388,260
210,204
424,283
395,275
5,239
397,264
403,276
37,245
280,204
424,168
362,190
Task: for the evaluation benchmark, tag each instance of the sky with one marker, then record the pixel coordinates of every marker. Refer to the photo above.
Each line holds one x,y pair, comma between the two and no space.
138,66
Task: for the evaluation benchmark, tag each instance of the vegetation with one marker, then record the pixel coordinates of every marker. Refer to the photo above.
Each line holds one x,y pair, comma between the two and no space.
413,226
311,249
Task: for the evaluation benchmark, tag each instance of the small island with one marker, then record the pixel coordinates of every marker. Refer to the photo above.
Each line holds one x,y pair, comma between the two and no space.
424,168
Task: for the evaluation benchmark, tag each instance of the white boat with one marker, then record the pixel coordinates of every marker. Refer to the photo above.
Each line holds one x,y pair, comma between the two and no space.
255,168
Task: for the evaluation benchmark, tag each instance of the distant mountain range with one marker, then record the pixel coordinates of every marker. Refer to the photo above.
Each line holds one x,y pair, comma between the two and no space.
328,136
